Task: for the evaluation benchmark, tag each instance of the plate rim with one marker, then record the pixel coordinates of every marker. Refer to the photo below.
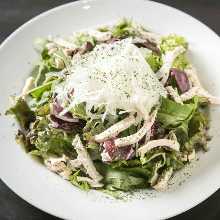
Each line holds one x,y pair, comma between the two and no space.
79,2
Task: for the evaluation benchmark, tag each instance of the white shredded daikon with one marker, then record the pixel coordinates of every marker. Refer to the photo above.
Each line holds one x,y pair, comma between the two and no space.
115,75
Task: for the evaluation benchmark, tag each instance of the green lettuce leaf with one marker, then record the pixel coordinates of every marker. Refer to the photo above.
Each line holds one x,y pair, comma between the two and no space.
93,127
129,131
36,104
172,41
104,29
60,55
198,122
82,184
154,156
40,44
177,117
114,194
198,135
54,142
199,140
154,61
123,29
121,180
96,126
124,179
45,66
24,141
39,73
174,161
181,133
38,91
125,163
82,38
22,113
49,140
43,110
79,111
181,62
172,114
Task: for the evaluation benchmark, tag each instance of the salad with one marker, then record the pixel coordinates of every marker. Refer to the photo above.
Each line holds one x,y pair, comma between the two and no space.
117,108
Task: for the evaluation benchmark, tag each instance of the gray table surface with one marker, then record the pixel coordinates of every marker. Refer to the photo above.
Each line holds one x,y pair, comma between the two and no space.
13,13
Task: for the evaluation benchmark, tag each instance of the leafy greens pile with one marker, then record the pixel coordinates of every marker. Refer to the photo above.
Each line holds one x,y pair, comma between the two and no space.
46,134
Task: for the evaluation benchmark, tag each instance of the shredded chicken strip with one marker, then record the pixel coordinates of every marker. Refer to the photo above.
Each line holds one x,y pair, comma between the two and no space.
199,91
56,164
59,166
85,159
168,59
153,37
147,137
115,129
174,94
132,139
65,174
138,40
50,46
75,163
172,144
162,183
100,36
197,88
193,76
63,43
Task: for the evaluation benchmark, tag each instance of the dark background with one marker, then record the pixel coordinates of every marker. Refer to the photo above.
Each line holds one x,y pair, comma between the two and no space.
14,13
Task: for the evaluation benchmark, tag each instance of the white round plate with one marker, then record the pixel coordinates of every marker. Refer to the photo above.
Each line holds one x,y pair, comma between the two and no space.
47,191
